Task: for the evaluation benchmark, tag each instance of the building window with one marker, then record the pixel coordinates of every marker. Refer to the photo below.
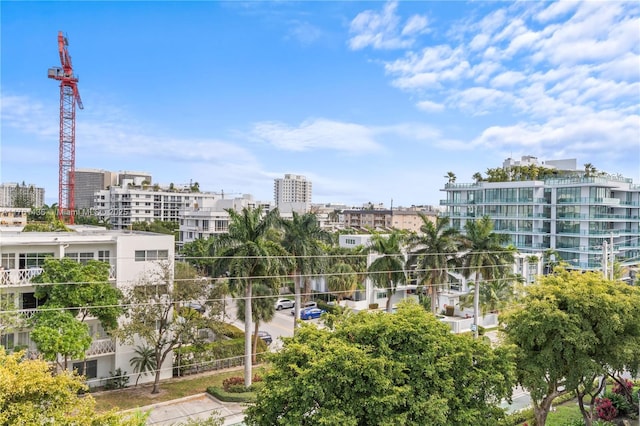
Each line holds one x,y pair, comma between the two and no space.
142,255
80,257
103,255
6,340
8,260
92,368
33,260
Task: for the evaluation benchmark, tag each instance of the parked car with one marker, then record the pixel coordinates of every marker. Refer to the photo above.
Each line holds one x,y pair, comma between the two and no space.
284,304
265,336
306,305
311,313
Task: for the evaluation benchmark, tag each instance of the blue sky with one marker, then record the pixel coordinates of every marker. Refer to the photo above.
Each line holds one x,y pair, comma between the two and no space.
372,101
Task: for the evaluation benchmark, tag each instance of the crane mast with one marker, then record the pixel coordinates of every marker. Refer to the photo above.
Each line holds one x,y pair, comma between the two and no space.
69,97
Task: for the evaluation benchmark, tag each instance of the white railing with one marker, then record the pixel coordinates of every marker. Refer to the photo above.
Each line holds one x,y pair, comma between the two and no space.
102,347
18,277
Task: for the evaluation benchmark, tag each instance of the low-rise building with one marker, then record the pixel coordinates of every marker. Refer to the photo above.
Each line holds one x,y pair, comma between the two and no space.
130,255
13,216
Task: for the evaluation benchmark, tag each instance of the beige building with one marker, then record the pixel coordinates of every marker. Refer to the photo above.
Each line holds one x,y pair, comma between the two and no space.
13,216
381,219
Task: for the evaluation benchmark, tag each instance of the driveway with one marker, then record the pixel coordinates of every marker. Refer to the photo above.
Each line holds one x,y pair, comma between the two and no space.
198,406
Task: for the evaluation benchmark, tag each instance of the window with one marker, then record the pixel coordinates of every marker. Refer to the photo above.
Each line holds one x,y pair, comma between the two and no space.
103,255
6,340
80,257
33,260
8,260
142,255
92,368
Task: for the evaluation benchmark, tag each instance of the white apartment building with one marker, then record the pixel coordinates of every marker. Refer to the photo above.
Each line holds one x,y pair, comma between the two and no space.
134,202
210,217
573,214
30,192
292,193
131,255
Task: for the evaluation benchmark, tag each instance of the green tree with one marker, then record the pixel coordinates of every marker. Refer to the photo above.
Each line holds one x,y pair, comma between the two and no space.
263,310
387,270
303,239
451,177
247,251
83,289
157,314
143,362
379,369
485,258
197,253
342,280
477,177
58,332
31,395
494,295
431,253
572,328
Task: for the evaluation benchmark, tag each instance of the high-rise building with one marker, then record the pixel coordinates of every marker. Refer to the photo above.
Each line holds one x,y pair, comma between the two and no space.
21,195
292,193
574,213
90,181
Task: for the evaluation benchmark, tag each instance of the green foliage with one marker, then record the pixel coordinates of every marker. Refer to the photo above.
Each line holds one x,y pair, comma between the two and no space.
222,395
387,270
214,355
117,379
58,332
53,226
157,226
235,384
376,368
83,289
143,362
31,395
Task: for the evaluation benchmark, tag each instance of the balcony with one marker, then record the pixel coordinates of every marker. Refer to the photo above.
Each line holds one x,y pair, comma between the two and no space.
102,347
23,277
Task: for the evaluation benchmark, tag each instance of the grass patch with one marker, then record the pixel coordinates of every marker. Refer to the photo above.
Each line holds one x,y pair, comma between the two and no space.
564,414
134,397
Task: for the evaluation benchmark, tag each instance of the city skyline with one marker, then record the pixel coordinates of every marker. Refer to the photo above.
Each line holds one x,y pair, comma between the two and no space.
371,101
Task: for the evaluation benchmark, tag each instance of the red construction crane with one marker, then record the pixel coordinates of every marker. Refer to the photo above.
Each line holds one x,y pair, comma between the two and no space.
69,96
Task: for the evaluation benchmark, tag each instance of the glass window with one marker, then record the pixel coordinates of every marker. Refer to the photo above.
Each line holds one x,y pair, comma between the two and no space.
92,368
8,260
33,260
140,256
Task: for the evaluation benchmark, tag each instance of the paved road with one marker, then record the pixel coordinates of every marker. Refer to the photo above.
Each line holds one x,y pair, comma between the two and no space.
199,406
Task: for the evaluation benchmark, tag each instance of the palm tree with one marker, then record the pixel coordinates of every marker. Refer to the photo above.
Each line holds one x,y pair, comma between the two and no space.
248,250
493,295
303,239
451,177
263,309
387,271
477,177
486,257
432,252
342,280
143,362
589,170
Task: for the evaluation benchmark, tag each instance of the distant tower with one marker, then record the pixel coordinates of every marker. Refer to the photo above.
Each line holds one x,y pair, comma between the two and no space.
292,190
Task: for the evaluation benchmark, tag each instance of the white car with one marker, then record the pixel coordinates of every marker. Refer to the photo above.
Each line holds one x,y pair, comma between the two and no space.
284,304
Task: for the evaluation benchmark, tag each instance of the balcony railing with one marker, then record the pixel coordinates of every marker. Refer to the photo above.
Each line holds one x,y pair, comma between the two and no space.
102,347
24,277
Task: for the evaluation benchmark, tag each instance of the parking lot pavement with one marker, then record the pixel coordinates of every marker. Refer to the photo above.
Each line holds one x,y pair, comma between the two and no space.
199,406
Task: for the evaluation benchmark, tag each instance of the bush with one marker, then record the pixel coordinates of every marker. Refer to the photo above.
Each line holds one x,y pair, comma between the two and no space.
230,331
605,409
220,394
117,380
235,384
620,402
620,390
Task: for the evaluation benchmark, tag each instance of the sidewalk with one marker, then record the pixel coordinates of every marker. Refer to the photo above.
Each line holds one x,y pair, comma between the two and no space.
198,406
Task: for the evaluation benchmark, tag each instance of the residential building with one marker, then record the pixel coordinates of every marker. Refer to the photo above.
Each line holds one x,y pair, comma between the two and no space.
90,181
292,193
136,201
13,216
402,218
573,213
25,195
130,255
210,217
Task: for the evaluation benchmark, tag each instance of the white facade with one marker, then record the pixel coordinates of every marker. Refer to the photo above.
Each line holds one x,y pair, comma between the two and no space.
292,193
210,217
22,256
8,194
573,215
123,205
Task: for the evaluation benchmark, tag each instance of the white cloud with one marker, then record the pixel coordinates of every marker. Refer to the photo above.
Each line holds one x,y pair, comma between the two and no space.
507,79
383,30
304,32
317,134
556,9
28,115
429,106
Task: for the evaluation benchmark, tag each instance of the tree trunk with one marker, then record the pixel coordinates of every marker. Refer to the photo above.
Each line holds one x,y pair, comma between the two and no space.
255,343
297,301
433,292
156,382
541,411
247,334
476,301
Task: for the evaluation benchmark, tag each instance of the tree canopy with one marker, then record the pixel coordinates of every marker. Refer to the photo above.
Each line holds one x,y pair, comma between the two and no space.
31,395
574,327
379,368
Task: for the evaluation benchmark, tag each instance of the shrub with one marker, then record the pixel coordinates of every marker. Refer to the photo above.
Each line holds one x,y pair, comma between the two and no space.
620,402
232,382
231,397
117,379
605,409
620,390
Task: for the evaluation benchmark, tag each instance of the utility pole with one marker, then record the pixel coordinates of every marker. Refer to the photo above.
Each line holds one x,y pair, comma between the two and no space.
613,258
605,258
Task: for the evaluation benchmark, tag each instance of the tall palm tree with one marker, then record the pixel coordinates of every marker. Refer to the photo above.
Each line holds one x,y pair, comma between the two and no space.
432,252
451,177
494,295
304,240
263,309
486,258
143,362
387,270
248,251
